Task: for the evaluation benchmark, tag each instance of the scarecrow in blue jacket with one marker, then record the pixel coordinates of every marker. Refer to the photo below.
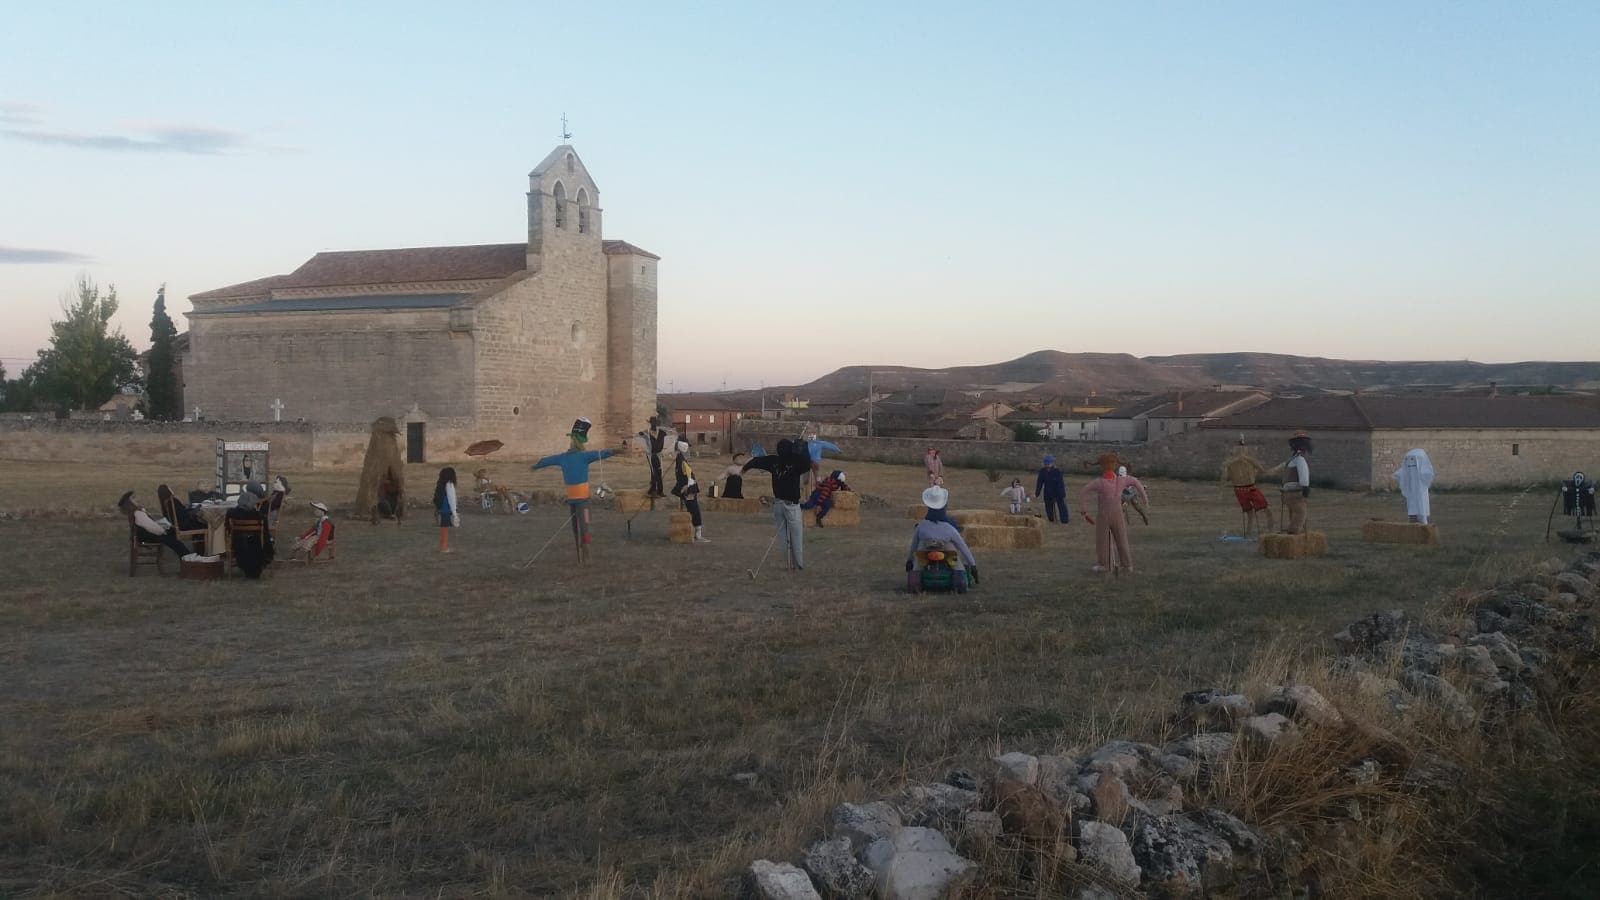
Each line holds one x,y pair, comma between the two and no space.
574,465
1053,485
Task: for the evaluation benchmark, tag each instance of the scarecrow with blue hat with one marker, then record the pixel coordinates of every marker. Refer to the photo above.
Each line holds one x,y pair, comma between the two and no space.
574,465
1053,486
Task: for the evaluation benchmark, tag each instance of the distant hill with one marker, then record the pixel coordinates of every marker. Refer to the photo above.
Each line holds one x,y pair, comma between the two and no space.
1053,371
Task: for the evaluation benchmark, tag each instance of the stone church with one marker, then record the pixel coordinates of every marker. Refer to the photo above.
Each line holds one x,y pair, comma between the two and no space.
503,341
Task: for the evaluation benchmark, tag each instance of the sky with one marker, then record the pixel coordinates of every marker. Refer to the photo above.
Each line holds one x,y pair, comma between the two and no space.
926,184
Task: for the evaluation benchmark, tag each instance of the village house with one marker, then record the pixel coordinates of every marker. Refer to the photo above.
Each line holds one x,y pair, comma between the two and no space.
1161,416
706,421
1473,441
1060,419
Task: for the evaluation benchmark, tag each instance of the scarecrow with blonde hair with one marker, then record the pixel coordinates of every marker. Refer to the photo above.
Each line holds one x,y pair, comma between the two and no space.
1104,496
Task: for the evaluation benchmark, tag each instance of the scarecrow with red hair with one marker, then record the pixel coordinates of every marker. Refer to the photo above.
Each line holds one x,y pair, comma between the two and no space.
1104,496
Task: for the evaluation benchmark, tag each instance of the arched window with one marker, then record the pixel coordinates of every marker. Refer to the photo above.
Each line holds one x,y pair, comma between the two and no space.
560,193
572,164
583,211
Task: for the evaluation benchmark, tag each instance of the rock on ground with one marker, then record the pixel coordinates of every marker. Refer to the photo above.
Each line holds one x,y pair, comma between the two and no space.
1213,709
1302,702
1575,584
934,805
833,864
1457,709
1018,767
863,823
1205,748
917,864
1270,730
781,881
1106,848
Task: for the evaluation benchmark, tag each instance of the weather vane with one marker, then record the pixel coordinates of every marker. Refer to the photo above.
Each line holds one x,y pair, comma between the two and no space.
565,134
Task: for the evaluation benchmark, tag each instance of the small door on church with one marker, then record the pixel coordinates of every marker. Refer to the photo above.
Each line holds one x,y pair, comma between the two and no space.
414,441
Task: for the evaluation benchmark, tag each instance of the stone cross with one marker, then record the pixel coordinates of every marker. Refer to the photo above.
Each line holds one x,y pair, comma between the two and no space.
197,412
277,410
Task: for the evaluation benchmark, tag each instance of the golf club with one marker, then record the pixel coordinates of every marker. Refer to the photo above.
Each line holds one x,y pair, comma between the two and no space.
752,572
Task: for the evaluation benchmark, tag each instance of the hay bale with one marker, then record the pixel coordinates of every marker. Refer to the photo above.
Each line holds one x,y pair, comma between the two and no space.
837,518
1294,546
1023,522
740,505
965,517
1377,531
846,500
633,501
1002,537
680,528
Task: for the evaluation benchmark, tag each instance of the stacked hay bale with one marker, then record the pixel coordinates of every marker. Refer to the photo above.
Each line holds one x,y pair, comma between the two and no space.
1294,546
965,517
846,512
680,528
1004,537
1034,522
633,501
1377,531
742,505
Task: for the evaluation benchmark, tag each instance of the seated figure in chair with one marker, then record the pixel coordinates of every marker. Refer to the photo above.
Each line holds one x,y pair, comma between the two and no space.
315,539
151,531
252,549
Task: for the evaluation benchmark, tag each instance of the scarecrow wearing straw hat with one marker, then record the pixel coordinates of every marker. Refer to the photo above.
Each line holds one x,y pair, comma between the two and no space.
313,540
1296,483
1240,472
574,465
1104,495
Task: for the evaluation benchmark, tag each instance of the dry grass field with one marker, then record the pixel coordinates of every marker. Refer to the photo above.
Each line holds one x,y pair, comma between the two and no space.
401,723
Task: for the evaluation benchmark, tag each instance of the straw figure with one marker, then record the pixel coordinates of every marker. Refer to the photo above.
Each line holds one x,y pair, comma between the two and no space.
383,474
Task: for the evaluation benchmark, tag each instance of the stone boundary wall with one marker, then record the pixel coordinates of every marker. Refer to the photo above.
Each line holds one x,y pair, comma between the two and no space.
1343,459
295,445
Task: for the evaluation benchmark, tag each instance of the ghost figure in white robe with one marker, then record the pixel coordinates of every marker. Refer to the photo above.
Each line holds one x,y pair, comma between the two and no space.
1415,476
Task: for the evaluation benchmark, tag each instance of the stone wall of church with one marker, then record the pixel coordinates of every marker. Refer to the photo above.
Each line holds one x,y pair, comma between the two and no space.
328,366
541,349
631,343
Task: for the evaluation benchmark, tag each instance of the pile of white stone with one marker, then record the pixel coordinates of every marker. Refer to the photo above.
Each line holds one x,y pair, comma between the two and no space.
1129,813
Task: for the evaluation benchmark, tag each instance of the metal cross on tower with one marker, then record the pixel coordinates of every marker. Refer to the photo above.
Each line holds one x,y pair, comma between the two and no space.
565,134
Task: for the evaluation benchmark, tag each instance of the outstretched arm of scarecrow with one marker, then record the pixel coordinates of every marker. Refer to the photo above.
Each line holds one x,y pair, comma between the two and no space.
552,460
825,445
764,463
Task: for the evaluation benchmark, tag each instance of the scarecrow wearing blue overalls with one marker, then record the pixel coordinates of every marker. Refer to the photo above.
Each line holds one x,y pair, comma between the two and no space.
574,465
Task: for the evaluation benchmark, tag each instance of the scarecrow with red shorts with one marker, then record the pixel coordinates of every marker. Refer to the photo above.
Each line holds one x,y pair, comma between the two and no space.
1240,472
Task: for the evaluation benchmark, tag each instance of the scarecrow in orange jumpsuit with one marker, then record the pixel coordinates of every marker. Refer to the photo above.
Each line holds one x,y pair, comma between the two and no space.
1104,496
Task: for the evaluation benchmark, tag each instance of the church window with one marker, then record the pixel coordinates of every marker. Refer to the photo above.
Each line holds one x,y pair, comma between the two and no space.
713,419
583,211
560,194
572,164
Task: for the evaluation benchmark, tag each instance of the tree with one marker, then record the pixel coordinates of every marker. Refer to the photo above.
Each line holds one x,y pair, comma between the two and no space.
1027,432
87,360
161,383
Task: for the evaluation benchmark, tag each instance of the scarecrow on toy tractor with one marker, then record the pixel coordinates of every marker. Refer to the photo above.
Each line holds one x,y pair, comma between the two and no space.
939,560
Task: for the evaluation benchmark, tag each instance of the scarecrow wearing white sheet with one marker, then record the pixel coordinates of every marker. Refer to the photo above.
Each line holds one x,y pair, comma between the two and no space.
1415,476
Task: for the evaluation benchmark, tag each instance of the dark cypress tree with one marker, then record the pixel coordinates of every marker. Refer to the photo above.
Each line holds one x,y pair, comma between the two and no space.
161,389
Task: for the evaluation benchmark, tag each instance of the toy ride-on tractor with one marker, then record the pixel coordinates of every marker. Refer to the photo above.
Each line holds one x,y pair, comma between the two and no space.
934,572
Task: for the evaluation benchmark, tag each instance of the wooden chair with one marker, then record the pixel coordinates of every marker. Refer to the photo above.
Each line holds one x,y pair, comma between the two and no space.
141,554
241,526
187,535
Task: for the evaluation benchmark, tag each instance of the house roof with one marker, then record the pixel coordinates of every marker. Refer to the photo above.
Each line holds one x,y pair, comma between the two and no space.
698,402
1135,408
1367,412
323,304
1202,404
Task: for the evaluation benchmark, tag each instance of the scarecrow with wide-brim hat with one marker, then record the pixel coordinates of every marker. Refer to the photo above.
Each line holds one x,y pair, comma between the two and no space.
315,539
574,464
1296,483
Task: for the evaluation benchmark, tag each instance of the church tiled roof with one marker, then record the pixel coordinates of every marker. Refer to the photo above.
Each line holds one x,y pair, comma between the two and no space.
341,268
360,301
623,248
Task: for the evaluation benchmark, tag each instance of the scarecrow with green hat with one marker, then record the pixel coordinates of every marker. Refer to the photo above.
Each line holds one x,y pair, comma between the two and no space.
574,465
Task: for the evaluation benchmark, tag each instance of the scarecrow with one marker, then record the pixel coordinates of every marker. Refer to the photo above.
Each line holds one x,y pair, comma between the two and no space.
821,498
1104,495
655,443
936,543
383,474
815,447
315,539
1240,472
1053,486
1416,476
1296,483
574,464
935,466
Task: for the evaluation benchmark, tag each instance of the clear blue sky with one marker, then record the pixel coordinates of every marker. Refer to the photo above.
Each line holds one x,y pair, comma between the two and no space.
922,183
